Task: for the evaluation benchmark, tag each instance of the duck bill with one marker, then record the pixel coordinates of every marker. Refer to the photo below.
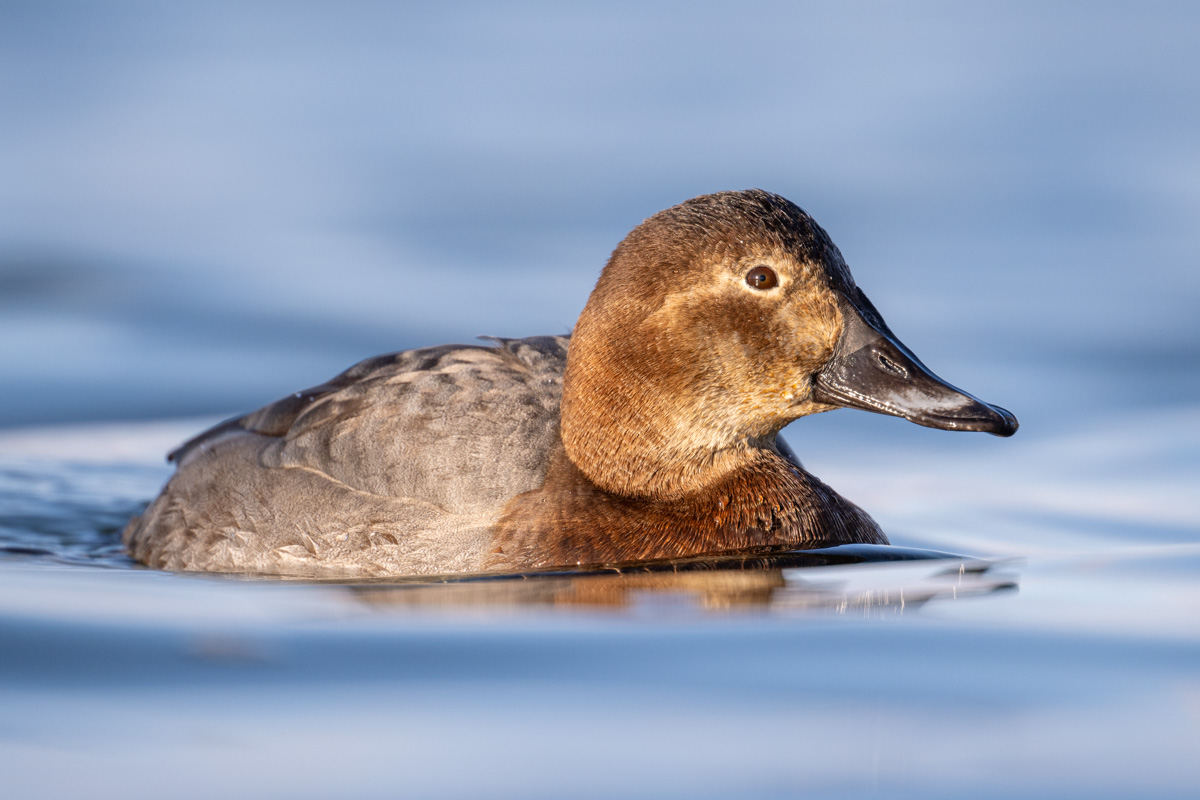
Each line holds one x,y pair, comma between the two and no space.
872,370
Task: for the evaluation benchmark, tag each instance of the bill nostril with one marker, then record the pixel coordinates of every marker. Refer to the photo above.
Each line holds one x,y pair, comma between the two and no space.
891,366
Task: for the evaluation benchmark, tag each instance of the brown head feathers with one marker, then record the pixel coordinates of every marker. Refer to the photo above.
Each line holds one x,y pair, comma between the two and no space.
678,367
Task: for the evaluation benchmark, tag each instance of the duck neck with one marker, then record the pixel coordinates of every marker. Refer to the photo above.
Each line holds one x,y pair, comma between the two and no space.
634,437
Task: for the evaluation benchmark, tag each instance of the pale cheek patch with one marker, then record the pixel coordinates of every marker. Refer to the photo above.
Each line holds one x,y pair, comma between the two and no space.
743,358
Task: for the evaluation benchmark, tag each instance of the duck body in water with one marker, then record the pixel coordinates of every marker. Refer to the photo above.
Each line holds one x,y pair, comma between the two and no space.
650,432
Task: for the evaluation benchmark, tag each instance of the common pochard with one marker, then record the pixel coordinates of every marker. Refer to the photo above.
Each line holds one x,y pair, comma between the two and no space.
652,431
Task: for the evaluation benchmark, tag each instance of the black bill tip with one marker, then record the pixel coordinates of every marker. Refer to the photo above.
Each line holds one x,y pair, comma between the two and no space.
972,415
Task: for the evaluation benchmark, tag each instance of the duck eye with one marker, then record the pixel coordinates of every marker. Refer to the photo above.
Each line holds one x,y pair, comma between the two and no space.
762,278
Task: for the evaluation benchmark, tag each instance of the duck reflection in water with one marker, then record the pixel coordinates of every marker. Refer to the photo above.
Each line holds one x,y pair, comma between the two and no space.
651,432
786,582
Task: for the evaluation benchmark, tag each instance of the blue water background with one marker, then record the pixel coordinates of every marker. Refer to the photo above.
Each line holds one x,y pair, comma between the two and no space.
206,206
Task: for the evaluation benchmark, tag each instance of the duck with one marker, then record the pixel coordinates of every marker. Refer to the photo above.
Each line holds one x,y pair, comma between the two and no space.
651,431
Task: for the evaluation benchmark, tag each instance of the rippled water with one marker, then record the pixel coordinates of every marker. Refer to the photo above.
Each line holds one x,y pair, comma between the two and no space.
205,207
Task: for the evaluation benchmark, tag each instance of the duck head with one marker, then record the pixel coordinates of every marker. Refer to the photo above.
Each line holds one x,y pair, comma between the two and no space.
716,323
